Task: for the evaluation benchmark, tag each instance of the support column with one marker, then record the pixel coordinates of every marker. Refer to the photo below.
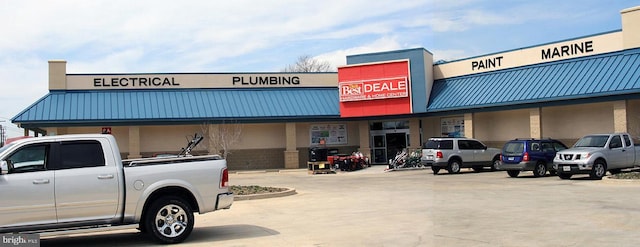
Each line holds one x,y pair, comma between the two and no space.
468,125
134,142
414,134
291,153
620,116
535,123
365,144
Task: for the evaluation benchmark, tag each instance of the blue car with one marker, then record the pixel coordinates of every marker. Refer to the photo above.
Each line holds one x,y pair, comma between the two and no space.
529,155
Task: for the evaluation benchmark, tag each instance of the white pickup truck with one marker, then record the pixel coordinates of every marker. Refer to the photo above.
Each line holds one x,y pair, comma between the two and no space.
78,183
597,154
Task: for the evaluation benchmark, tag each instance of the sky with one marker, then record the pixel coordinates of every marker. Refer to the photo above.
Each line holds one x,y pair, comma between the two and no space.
160,36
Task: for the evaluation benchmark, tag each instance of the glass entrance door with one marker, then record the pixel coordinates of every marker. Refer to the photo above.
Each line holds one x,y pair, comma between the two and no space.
395,143
387,138
379,150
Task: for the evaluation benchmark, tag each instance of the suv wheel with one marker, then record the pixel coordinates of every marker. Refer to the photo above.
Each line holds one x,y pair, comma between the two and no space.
495,164
513,173
540,169
454,166
435,169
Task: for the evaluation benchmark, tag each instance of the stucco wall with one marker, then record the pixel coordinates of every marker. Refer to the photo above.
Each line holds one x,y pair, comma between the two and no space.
430,128
171,139
499,127
569,123
633,118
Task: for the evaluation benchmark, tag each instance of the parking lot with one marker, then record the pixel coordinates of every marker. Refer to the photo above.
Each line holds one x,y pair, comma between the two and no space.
413,208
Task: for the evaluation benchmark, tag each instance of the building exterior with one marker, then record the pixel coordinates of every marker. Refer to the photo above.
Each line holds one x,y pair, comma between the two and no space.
377,104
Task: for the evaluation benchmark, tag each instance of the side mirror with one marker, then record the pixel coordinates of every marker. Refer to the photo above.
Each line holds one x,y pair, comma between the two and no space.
4,168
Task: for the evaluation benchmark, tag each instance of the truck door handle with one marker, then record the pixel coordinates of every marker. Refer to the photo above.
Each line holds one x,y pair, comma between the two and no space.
41,181
106,176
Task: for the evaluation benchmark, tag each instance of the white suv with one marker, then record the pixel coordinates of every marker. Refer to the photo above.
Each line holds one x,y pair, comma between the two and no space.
456,153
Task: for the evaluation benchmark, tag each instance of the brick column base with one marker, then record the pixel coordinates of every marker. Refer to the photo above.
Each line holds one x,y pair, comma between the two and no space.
291,160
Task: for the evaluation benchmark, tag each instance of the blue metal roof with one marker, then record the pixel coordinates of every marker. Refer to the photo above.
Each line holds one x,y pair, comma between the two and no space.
611,74
192,105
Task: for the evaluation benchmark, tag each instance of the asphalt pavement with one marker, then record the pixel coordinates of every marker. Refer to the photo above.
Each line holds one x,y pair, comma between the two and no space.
372,207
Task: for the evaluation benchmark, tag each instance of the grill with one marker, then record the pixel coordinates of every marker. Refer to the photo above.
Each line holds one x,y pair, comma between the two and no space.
568,156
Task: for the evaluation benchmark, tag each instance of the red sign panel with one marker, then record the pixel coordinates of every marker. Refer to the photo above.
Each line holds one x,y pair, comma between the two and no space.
374,89
377,89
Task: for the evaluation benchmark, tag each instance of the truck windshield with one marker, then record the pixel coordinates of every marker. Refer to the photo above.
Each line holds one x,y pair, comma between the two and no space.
5,147
592,141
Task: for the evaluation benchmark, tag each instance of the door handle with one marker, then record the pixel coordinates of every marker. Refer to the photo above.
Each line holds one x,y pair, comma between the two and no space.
105,176
41,181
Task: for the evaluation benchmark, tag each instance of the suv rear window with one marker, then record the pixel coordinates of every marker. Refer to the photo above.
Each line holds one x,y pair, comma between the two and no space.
439,144
513,147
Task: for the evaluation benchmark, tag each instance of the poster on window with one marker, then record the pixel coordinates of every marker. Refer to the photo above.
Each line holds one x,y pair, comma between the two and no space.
328,134
452,126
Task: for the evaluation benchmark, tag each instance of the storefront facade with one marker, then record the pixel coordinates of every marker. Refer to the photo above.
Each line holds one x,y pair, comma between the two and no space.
378,103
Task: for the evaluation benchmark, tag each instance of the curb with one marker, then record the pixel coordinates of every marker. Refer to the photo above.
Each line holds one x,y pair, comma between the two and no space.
608,180
287,192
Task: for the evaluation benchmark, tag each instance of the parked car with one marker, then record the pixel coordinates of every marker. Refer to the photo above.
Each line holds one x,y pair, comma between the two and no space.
458,152
530,155
597,154
74,183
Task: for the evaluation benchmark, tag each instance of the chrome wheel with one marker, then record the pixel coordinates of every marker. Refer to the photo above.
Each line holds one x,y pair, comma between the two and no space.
454,166
171,221
496,165
540,170
599,170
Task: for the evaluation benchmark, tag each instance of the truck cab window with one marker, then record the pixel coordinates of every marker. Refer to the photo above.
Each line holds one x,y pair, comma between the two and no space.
79,154
28,159
616,142
627,140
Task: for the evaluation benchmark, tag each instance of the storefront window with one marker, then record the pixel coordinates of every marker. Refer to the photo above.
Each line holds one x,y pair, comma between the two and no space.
375,126
452,126
393,125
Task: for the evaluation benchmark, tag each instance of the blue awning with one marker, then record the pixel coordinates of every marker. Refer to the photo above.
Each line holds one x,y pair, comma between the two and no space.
612,74
99,107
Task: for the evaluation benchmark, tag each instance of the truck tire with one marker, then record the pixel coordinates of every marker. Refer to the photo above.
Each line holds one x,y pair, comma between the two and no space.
454,166
169,220
599,170
564,175
540,170
513,173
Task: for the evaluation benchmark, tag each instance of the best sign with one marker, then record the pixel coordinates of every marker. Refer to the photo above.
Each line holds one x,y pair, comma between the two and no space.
374,89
